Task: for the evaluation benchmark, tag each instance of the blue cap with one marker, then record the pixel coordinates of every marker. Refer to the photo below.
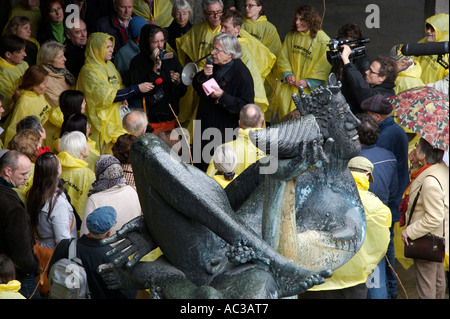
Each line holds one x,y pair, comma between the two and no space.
135,26
101,220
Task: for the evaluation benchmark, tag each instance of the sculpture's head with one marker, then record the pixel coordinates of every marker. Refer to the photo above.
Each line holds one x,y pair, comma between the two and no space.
333,115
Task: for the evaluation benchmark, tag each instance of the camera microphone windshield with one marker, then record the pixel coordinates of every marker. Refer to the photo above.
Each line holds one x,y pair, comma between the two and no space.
418,49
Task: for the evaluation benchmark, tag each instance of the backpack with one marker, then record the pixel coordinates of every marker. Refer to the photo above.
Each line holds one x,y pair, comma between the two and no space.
67,277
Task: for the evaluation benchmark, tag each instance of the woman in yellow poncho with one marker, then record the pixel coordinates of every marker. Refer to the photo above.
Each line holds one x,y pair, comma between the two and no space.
159,11
29,99
257,25
77,176
302,60
102,86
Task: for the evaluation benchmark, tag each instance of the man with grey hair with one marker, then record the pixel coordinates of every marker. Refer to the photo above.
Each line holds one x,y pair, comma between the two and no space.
76,35
218,111
16,234
251,117
409,70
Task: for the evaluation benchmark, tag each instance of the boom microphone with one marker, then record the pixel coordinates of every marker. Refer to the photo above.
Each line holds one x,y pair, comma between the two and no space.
418,49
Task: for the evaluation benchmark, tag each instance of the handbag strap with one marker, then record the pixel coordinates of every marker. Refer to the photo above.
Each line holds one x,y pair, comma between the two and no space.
415,202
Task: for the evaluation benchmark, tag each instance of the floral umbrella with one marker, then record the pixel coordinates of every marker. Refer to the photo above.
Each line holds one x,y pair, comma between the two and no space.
424,110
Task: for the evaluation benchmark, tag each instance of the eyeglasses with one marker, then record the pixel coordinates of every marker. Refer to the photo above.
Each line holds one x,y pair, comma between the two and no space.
251,5
216,50
373,72
214,13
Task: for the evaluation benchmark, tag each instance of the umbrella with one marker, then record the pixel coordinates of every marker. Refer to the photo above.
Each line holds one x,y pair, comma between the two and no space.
424,110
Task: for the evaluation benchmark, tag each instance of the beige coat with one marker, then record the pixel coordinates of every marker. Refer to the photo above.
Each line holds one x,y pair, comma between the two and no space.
56,85
432,206
123,198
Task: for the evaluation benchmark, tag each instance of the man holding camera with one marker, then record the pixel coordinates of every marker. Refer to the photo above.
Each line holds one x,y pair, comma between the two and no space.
379,79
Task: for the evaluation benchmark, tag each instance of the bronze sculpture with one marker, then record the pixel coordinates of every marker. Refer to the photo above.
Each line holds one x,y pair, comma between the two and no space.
230,243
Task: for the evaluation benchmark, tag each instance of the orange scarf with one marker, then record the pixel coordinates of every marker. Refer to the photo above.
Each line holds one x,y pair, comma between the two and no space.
404,205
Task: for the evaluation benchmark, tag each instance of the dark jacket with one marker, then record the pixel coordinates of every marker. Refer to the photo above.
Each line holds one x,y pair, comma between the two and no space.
385,176
362,63
393,138
175,31
237,84
108,25
92,255
362,90
16,234
223,113
141,70
75,57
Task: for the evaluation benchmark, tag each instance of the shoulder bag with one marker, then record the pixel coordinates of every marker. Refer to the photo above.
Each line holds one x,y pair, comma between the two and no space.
429,247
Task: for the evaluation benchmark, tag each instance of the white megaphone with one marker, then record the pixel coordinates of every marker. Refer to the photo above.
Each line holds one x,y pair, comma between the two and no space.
190,70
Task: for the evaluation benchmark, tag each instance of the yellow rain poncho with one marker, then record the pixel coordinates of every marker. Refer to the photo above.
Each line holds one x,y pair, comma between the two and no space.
78,179
53,127
10,77
253,66
93,152
409,78
264,57
247,153
432,71
378,221
162,11
191,47
99,80
29,103
10,290
257,57
222,181
306,59
265,32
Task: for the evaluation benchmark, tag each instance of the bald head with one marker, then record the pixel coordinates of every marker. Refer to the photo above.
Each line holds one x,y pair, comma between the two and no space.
251,116
135,122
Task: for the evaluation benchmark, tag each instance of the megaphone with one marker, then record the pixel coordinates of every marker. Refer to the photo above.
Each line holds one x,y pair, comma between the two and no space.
188,73
190,70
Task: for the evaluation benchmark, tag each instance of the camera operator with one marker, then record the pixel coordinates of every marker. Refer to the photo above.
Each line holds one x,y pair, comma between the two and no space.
378,79
350,32
164,72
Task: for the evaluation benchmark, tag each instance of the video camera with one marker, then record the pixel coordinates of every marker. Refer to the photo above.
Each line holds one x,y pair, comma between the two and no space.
335,46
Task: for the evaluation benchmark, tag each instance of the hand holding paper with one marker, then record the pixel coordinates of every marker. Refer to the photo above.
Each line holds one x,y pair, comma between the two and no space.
208,86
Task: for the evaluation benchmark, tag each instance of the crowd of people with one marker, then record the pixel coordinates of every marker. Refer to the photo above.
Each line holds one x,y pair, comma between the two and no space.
76,91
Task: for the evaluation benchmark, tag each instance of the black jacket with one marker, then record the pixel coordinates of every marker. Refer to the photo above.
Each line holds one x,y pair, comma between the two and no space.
223,113
238,87
75,57
362,90
141,70
92,255
107,25
16,234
